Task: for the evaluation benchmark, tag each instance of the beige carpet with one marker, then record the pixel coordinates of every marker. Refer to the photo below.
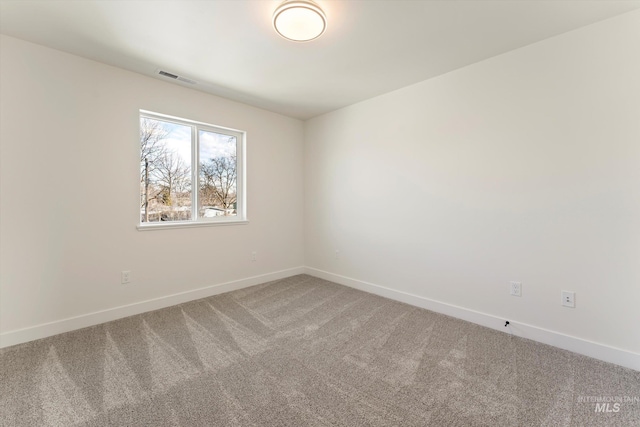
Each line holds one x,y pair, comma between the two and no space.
305,352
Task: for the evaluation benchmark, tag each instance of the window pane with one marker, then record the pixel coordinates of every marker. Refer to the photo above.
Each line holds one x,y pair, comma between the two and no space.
218,175
165,171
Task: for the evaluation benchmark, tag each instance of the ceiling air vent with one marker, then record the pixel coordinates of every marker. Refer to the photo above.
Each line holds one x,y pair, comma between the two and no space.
176,77
164,73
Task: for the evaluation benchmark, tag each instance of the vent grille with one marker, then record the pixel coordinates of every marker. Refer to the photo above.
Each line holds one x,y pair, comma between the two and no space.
164,73
176,77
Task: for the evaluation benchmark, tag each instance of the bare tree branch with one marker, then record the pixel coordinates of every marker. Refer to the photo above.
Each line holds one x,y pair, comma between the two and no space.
152,133
173,176
218,178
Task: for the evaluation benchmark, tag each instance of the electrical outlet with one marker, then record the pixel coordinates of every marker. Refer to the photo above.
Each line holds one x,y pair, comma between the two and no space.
569,299
515,288
125,277
254,256
337,254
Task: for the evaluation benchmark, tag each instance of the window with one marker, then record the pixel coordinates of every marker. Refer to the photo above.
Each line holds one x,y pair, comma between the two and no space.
190,173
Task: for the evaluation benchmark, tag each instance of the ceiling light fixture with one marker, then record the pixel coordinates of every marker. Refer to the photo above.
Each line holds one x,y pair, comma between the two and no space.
299,20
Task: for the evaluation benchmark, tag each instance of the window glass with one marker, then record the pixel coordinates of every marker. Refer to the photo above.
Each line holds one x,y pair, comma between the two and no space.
189,171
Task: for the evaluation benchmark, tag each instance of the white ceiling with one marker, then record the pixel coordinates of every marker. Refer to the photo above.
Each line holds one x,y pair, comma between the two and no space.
230,49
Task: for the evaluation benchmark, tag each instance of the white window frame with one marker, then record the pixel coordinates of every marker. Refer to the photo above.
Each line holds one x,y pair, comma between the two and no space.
241,196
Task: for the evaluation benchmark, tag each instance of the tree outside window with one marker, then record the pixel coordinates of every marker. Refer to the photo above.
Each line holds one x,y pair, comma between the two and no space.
171,188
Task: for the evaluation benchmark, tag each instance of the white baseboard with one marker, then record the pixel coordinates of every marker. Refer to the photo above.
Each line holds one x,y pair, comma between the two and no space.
577,345
65,325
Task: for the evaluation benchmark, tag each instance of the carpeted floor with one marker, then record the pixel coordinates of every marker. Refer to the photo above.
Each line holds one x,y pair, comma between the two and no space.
305,352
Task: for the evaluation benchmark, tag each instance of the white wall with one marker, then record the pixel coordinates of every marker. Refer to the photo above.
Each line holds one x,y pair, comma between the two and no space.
522,167
69,192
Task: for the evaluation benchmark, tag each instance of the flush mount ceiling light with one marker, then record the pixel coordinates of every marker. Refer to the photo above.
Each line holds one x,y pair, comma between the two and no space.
299,20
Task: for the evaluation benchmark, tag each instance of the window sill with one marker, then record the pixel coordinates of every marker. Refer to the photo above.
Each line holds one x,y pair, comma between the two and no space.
188,224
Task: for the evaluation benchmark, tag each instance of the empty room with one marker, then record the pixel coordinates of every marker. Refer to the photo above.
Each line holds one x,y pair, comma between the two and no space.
319,213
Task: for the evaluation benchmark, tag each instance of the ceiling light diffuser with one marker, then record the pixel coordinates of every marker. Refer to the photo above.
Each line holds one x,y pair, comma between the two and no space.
299,20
